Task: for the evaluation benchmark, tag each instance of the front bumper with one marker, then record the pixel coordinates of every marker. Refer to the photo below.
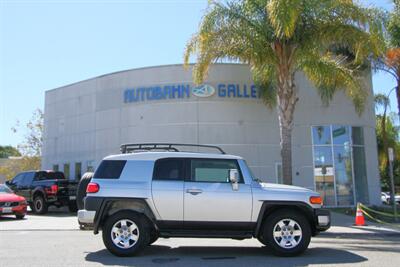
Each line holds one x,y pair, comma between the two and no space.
322,219
20,210
86,216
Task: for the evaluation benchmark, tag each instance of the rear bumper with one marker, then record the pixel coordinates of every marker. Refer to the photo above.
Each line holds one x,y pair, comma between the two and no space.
322,219
86,216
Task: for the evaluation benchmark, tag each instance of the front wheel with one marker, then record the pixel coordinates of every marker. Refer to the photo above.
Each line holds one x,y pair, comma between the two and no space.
125,233
287,233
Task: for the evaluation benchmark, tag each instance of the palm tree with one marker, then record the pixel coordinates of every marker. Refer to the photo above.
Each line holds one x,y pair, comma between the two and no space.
383,101
279,38
389,62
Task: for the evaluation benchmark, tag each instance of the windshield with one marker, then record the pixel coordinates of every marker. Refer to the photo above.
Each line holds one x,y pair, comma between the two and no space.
4,189
249,171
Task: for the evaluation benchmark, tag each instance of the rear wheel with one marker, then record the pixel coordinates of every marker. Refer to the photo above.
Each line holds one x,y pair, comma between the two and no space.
39,205
287,233
125,233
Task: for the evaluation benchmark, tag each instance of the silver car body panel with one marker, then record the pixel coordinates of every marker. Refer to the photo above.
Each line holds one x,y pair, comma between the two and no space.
196,201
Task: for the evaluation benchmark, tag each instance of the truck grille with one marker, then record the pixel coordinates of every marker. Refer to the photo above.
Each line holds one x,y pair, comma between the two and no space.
8,204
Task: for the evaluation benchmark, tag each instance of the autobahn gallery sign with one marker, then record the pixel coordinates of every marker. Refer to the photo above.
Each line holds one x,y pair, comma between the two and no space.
184,91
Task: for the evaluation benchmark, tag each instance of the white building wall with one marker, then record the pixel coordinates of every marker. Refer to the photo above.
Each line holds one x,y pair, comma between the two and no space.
88,120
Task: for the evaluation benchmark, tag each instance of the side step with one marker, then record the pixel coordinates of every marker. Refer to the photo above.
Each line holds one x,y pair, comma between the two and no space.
205,234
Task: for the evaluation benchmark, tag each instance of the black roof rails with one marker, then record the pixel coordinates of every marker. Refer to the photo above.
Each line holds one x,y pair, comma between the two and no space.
131,148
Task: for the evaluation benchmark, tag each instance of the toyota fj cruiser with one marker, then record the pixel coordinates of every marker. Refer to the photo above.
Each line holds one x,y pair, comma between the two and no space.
157,190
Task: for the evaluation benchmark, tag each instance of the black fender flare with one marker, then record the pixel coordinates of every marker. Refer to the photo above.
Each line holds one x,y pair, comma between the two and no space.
108,206
39,190
268,207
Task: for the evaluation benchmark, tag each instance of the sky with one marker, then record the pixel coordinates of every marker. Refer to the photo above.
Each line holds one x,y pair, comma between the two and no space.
46,44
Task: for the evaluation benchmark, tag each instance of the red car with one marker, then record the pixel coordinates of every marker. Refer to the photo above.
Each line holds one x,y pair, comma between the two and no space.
10,203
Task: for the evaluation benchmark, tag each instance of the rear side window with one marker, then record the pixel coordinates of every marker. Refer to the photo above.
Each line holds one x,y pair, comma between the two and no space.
110,169
169,169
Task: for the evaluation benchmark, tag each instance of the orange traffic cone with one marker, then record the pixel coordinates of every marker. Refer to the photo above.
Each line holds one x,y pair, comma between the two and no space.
359,216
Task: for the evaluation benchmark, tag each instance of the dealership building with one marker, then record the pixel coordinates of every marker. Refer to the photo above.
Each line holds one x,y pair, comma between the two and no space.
334,148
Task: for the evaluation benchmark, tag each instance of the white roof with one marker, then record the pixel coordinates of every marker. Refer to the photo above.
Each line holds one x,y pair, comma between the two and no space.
151,155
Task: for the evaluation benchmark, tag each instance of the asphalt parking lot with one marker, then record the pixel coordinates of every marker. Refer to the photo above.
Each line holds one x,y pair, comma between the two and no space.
55,240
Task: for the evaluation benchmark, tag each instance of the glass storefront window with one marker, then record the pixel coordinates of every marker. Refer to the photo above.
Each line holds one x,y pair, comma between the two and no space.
360,174
343,176
321,135
78,170
55,167
90,166
339,164
323,174
357,136
340,134
66,170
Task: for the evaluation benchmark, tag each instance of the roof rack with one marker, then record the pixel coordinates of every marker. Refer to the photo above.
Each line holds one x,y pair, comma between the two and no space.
132,148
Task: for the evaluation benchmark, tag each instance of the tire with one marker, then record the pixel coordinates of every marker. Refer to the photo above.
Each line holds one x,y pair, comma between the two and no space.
262,241
141,231
39,205
81,191
291,224
72,206
19,216
153,237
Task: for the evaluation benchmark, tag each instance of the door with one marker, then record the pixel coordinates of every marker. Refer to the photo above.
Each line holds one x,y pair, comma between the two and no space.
209,195
15,183
26,185
167,190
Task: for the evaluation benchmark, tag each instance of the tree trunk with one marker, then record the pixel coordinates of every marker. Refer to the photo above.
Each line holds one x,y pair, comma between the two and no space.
398,96
287,99
286,103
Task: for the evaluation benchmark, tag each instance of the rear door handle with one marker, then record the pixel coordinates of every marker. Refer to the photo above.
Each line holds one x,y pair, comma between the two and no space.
194,191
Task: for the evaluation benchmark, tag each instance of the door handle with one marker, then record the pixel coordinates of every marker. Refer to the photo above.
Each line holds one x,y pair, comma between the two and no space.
194,191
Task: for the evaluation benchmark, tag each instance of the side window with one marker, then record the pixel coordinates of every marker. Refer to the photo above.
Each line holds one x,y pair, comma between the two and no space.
213,170
28,177
169,169
110,169
18,179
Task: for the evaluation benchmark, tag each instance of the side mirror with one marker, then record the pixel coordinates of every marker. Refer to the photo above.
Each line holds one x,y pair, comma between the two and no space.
8,182
234,178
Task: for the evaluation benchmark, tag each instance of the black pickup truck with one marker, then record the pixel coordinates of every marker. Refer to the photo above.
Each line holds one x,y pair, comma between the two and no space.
44,188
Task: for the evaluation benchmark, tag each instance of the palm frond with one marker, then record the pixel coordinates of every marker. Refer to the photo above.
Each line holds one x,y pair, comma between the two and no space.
329,75
283,15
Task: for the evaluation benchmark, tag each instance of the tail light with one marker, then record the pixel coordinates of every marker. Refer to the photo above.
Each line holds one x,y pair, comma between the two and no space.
316,200
92,188
52,190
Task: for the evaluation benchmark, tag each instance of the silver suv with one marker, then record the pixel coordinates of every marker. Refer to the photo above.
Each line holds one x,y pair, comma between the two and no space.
157,190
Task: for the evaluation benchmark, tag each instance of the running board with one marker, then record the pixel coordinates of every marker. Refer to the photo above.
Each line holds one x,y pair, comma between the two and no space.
206,234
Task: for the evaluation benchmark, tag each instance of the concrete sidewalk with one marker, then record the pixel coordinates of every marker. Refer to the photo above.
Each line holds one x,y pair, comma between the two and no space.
344,224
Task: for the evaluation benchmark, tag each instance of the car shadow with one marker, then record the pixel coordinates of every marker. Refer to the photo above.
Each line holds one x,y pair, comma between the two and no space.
54,212
234,256
10,217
